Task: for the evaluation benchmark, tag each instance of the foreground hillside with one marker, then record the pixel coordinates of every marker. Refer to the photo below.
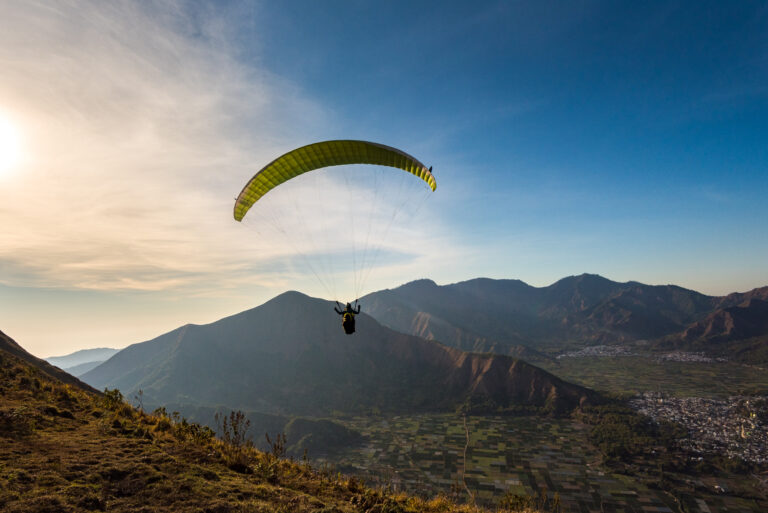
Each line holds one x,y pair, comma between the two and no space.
66,449
9,346
290,356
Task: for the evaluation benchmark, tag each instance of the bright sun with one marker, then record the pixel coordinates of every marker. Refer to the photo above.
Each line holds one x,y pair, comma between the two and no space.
10,147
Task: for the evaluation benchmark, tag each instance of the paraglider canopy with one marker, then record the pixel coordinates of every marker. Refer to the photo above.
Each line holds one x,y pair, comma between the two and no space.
340,218
325,154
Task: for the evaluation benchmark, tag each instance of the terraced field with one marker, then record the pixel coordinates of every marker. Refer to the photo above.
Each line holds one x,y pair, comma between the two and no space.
424,454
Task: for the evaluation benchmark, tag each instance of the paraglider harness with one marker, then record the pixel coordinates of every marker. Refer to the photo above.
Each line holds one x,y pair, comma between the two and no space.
347,317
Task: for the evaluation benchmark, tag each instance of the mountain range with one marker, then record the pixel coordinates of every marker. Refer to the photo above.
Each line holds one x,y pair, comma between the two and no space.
290,356
424,346
80,362
737,332
500,316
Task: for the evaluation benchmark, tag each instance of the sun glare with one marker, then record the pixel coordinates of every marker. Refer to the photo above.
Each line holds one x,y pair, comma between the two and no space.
10,147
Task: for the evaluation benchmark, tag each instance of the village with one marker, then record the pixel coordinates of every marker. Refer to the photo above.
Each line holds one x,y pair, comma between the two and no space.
598,352
608,351
734,427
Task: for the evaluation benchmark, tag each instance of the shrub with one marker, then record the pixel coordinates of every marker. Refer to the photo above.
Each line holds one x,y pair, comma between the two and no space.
125,410
267,468
537,502
65,394
192,432
140,399
163,425
277,448
196,433
236,447
112,399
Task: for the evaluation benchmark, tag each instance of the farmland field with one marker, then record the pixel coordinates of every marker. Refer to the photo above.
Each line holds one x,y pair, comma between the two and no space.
424,454
636,374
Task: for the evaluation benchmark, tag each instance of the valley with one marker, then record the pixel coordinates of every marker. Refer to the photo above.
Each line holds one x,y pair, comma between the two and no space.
423,454
638,372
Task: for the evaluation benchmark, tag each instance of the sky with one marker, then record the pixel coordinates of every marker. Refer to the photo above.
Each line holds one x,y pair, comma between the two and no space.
622,139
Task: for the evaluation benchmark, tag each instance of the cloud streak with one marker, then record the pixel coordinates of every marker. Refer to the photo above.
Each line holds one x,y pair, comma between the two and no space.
140,125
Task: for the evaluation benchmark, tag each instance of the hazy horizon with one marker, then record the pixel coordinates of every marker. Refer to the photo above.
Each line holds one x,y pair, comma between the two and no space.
78,348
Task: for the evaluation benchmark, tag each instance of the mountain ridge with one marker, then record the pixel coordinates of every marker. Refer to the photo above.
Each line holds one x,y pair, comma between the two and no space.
80,357
735,332
293,352
483,314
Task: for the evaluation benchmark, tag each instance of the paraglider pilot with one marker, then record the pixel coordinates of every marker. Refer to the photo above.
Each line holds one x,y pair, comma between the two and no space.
347,317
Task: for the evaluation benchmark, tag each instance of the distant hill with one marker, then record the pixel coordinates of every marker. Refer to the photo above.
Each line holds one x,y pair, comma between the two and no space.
79,370
738,298
290,356
501,315
10,346
736,332
82,357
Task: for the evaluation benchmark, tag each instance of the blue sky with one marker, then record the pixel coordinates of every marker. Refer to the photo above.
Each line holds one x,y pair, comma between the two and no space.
604,136
614,138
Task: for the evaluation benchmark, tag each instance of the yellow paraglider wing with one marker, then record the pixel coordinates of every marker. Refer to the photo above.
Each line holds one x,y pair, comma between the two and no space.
325,154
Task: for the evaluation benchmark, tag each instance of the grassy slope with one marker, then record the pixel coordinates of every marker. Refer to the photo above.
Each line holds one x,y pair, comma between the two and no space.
65,449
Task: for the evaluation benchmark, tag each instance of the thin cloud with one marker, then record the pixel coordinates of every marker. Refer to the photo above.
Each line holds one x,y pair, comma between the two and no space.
140,127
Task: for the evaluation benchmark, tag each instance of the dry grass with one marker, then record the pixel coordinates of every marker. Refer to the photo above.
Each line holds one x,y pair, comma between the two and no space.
66,450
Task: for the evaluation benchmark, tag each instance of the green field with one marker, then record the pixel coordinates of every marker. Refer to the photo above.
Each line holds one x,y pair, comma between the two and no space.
425,454
635,374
